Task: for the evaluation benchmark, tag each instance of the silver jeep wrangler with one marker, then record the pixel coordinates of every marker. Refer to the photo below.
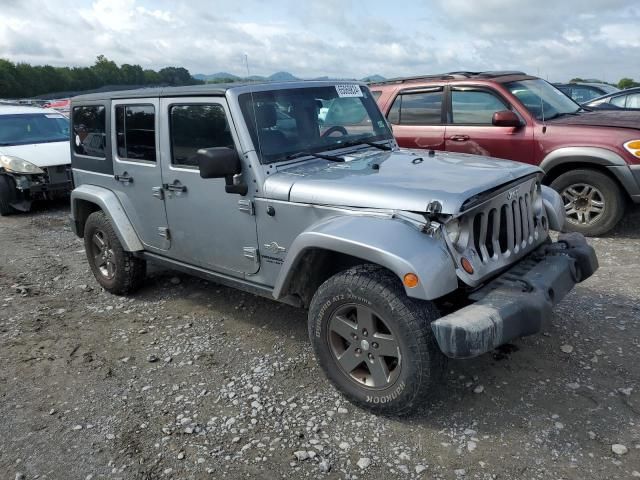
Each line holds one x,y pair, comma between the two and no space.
297,191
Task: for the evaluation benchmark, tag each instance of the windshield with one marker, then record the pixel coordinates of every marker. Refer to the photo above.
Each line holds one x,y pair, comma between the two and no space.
284,123
23,129
542,99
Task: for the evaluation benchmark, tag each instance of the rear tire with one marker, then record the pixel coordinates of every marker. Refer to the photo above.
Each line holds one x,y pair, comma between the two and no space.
117,270
7,195
373,342
593,201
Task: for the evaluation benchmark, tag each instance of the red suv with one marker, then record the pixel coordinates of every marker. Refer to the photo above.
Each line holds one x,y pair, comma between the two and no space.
592,158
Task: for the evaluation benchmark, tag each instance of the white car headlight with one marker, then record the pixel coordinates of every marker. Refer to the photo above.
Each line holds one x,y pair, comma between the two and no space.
18,165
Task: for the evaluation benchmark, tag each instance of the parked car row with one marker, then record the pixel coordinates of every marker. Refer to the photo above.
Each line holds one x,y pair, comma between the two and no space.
589,157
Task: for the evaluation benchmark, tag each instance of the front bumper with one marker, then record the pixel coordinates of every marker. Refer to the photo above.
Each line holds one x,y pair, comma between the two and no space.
516,303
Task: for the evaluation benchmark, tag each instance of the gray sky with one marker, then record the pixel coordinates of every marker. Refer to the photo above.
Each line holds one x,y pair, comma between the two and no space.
557,39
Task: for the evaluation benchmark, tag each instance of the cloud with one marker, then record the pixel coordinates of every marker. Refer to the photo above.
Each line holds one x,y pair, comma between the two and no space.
342,38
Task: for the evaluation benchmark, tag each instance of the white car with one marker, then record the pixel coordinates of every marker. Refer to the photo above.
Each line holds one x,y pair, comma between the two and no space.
35,161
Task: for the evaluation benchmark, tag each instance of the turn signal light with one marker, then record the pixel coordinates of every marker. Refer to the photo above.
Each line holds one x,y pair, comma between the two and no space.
633,147
410,280
466,265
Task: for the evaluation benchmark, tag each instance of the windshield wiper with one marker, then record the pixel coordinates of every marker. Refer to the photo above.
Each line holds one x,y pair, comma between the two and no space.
333,158
353,143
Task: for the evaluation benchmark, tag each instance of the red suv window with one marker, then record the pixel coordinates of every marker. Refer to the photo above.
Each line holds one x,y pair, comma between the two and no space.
417,108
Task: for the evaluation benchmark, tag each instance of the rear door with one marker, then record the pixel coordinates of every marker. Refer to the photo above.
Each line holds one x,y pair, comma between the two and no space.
209,227
416,118
136,168
470,128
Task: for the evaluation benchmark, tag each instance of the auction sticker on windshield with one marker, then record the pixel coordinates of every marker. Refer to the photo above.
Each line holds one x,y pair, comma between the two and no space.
348,90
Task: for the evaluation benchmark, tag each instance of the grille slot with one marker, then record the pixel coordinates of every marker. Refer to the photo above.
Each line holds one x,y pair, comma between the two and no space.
504,230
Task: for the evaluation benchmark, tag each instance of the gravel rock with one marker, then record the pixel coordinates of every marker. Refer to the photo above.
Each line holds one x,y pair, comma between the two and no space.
566,348
364,463
619,449
324,466
478,389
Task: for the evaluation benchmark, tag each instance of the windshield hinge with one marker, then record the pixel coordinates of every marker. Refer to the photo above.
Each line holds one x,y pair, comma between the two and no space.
246,206
164,232
251,253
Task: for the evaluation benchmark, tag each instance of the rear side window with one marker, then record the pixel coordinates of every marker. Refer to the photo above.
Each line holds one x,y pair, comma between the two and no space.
194,127
89,131
136,132
471,107
619,101
420,108
376,94
633,100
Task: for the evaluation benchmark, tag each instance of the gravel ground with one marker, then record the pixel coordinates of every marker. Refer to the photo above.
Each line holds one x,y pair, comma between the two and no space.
188,379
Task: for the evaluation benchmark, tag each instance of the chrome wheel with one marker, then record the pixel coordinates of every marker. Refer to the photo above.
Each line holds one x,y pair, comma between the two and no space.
102,254
583,203
363,346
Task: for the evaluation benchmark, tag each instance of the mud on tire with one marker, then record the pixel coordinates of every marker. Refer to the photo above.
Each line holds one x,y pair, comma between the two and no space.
371,298
115,269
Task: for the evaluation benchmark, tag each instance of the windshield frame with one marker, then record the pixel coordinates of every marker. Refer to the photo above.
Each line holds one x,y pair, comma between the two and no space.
58,117
373,115
548,112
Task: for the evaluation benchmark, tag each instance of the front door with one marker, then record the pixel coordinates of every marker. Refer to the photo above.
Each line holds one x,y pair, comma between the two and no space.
209,228
136,168
470,128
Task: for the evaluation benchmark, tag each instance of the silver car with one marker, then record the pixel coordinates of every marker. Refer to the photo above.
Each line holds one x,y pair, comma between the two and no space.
297,191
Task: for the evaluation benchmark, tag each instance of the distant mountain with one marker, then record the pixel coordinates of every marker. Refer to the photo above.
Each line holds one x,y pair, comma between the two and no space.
374,78
216,76
282,77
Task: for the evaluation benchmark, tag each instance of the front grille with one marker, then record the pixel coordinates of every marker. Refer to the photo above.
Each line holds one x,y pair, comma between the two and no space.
506,229
58,174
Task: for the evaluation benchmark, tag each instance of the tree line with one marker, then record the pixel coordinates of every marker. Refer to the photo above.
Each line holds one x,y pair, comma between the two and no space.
20,80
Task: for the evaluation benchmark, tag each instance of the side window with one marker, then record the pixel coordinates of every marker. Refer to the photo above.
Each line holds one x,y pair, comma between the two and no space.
633,100
136,132
194,127
421,108
89,131
619,101
474,107
394,112
376,94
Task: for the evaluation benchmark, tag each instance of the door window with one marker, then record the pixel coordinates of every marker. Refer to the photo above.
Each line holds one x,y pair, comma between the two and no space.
633,100
136,132
619,101
474,107
423,108
194,127
89,131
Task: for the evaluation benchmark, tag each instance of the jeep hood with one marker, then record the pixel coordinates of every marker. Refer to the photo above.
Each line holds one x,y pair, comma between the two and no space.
400,180
42,155
601,118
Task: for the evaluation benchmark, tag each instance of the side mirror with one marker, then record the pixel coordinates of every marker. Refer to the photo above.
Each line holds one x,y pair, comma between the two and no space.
506,118
221,162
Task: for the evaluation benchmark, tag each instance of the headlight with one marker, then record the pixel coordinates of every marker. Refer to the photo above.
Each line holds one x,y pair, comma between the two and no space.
633,147
453,230
18,165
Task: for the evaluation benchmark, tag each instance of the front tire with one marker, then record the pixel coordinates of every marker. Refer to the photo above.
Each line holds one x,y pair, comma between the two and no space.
373,342
115,269
593,201
7,195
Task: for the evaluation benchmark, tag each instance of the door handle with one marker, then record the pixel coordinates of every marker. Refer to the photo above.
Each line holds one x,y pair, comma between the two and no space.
459,138
124,178
176,186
